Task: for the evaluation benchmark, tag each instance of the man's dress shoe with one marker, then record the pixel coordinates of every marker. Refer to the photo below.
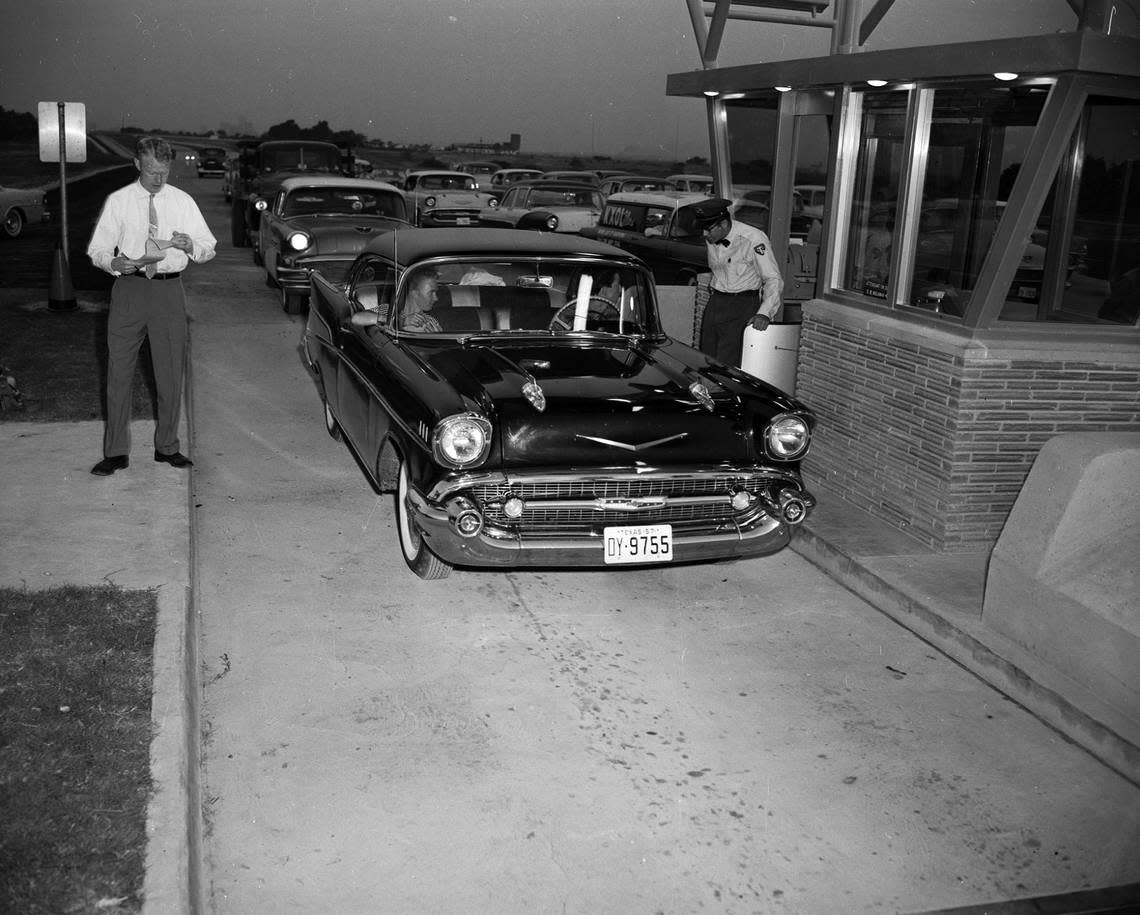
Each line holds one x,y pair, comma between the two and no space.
109,465
178,459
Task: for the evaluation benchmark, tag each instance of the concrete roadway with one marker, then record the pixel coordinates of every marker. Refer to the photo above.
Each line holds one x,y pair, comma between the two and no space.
734,737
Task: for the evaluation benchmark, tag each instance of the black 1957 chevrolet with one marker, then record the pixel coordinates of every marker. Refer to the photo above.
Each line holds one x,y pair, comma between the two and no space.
517,392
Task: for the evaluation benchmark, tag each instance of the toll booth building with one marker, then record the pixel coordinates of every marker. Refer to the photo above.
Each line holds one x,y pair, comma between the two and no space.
976,302
977,281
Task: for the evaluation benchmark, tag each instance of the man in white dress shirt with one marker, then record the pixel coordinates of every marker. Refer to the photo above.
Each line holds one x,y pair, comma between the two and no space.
146,235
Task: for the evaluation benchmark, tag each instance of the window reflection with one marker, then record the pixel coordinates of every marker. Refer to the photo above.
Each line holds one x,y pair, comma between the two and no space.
1082,264
878,176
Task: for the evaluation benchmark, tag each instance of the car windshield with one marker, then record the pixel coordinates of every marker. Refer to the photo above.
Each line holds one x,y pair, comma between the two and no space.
448,183
524,295
213,152
343,201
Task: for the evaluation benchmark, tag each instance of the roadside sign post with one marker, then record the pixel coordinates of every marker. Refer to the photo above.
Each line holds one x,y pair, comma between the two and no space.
63,136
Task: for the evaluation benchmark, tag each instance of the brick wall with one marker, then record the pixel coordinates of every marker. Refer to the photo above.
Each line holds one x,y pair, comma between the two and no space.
936,432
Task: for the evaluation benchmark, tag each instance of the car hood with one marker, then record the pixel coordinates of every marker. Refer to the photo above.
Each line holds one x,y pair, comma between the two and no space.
344,234
613,404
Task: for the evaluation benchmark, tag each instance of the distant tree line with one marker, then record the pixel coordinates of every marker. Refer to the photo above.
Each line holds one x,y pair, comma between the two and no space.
18,125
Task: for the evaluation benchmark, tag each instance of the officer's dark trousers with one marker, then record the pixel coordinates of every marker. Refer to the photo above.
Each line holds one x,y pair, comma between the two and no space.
722,326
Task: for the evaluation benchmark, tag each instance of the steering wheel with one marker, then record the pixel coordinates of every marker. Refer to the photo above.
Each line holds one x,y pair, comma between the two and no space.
598,310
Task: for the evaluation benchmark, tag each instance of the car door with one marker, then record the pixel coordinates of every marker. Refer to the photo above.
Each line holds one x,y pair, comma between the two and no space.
270,229
670,246
511,209
361,408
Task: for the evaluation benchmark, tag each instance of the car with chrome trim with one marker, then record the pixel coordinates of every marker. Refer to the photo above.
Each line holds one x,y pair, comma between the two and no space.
517,393
548,206
212,162
480,170
444,198
618,184
321,223
505,177
660,228
701,184
20,206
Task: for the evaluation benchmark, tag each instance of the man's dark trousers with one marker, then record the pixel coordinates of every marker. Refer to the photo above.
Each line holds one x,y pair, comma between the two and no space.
154,309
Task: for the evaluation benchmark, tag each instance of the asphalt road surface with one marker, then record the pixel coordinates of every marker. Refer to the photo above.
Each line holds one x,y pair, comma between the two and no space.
729,738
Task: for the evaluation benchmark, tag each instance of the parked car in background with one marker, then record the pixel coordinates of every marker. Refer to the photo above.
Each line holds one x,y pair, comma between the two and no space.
812,198
621,183
535,413
659,228
580,176
505,177
21,206
480,171
211,162
443,198
697,184
549,206
753,206
322,223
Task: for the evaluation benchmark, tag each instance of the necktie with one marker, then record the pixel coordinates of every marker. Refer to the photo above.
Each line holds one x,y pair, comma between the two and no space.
152,233
723,241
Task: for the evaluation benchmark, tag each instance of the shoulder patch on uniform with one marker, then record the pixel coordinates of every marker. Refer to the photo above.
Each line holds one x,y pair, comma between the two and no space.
761,248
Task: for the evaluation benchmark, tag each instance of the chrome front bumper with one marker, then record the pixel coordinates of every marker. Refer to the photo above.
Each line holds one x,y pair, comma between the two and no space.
760,532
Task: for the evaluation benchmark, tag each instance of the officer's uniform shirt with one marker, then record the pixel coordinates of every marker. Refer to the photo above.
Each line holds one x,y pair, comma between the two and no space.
747,263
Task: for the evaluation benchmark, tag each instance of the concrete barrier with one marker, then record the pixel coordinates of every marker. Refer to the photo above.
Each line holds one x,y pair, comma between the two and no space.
1062,580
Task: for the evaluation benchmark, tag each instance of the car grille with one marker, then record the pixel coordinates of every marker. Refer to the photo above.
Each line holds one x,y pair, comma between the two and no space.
700,503
450,216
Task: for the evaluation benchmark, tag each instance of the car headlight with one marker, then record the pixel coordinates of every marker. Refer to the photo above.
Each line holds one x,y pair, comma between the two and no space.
787,437
298,241
462,440
261,204
551,222
429,202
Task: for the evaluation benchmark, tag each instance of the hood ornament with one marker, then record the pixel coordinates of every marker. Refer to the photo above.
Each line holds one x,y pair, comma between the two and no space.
701,395
534,394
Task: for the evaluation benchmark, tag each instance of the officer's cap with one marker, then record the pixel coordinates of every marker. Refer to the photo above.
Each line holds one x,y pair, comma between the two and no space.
710,212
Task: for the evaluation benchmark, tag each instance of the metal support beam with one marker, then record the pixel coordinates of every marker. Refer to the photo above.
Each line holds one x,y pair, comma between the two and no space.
872,19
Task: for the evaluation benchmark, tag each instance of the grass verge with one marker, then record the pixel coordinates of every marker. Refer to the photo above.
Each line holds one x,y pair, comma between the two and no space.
59,362
75,732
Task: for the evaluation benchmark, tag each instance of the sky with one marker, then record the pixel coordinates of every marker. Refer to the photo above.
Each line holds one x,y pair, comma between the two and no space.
569,76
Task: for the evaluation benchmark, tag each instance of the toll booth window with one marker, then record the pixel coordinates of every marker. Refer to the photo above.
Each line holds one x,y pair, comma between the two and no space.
1081,262
878,177
977,143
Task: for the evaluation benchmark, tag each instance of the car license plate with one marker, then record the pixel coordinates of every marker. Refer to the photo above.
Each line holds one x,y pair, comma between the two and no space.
463,220
645,543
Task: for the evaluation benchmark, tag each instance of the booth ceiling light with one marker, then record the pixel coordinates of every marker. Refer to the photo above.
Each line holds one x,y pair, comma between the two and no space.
783,88
712,93
877,83
729,96
1005,76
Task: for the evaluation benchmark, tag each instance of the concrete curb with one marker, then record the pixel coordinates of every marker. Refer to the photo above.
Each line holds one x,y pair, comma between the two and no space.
1064,706
173,869
171,850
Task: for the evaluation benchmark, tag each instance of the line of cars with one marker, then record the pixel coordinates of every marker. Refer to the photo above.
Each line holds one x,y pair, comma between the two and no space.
515,389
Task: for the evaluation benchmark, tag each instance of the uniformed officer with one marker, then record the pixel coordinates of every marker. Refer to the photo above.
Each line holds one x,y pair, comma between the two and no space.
746,281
